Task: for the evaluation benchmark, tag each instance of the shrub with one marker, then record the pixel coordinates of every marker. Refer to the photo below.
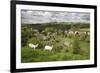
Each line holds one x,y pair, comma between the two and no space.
25,35
57,47
75,46
87,39
33,40
49,29
82,37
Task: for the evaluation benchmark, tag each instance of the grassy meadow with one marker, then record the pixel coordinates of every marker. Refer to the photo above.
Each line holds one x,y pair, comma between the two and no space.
70,41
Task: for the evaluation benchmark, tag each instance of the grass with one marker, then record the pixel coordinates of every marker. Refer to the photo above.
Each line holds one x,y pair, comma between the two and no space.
85,29
40,55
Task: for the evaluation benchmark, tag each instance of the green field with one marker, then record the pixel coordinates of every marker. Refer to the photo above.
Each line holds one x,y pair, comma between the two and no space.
56,35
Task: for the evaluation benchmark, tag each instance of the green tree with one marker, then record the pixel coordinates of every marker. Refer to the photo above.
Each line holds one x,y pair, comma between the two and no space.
25,35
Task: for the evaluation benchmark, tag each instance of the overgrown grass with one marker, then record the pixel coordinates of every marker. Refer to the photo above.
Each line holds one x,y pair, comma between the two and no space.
40,55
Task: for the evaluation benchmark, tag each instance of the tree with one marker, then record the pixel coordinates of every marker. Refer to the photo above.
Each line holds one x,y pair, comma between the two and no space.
25,35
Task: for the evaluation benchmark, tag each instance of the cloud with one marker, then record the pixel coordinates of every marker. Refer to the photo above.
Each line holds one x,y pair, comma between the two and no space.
31,16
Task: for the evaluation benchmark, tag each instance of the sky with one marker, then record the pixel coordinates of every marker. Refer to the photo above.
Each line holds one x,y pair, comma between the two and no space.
34,16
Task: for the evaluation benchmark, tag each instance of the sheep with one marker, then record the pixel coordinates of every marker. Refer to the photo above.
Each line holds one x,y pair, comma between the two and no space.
33,46
47,47
71,32
65,31
67,46
77,33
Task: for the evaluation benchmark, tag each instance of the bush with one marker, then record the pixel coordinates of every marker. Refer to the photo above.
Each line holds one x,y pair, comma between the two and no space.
49,29
87,39
82,37
57,47
75,46
33,40
25,35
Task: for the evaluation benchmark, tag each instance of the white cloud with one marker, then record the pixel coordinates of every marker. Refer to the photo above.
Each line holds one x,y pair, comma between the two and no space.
29,16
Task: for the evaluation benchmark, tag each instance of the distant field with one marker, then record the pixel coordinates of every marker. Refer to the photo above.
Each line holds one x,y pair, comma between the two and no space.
85,29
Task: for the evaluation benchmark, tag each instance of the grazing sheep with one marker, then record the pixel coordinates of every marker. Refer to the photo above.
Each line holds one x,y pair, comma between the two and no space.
48,47
71,33
67,44
32,45
66,32
77,33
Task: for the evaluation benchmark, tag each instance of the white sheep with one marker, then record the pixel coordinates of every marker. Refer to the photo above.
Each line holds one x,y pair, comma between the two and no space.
66,32
77,33
47,47
32,45
71,32
66,43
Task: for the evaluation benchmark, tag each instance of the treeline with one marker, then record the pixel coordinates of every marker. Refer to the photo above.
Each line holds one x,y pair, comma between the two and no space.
62,26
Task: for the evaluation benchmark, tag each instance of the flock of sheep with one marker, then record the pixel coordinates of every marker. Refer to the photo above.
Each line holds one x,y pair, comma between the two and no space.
77,33
49,48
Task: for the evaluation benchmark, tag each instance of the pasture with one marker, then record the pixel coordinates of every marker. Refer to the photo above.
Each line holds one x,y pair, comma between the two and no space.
55,42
